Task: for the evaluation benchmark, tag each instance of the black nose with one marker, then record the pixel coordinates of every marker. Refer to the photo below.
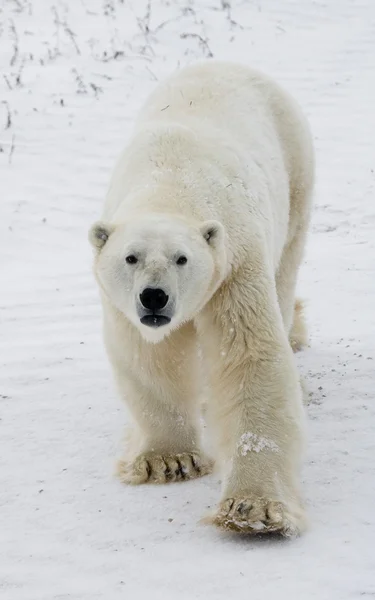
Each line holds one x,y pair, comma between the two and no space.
153,299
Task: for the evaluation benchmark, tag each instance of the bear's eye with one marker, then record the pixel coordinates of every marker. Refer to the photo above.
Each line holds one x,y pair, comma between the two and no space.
131,259
182,260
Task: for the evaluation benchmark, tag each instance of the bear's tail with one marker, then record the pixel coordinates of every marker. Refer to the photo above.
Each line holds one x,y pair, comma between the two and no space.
298,334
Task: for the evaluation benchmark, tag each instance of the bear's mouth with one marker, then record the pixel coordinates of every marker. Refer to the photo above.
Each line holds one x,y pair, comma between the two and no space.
155,320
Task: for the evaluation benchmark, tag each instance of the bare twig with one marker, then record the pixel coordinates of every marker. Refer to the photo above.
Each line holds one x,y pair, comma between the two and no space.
109,8
8,123
225,6
19,5
88,12
104,76
144,24
165,23
202,42
96,89
7,82
146,48
53,53
151,73
15,44
12,147
19,75
114,56
71,35
81,88
117,54
187,10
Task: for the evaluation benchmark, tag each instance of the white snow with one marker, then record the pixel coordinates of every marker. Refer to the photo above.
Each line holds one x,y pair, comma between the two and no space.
73,75
251,442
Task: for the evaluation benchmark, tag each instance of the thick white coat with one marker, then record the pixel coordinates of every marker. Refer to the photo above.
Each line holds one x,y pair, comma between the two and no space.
220,164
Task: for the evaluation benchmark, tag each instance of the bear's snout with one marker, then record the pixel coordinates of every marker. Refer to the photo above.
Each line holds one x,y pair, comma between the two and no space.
153,299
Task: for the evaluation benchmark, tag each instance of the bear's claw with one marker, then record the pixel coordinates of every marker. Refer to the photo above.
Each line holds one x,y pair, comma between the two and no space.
156,468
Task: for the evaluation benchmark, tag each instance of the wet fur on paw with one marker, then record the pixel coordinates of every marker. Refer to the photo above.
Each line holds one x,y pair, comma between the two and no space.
256,516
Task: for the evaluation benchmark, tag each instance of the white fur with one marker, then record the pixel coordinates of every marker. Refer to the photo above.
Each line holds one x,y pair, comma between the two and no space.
220,169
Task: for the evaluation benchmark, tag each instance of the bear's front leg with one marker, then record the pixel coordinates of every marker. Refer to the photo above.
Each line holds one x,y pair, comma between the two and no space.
160,385
163,445
255,406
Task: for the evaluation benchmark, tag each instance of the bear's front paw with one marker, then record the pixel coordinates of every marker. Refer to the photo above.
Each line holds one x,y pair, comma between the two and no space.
156,468
254,515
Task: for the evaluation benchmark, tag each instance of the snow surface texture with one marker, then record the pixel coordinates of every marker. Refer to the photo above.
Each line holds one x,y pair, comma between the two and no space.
74,74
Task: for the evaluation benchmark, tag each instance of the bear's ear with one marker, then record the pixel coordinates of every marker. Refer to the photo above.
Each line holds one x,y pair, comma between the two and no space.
99,234
213,233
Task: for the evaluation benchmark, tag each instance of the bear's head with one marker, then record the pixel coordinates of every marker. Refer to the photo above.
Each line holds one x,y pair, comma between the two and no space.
159,270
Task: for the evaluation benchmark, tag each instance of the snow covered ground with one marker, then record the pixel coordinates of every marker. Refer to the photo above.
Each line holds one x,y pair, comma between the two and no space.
73,75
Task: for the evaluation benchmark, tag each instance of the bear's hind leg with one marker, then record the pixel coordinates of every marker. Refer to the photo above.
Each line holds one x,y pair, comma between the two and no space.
286,280
298,336
286,277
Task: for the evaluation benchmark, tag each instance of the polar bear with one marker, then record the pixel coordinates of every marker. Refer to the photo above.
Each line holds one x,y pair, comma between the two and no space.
196,258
